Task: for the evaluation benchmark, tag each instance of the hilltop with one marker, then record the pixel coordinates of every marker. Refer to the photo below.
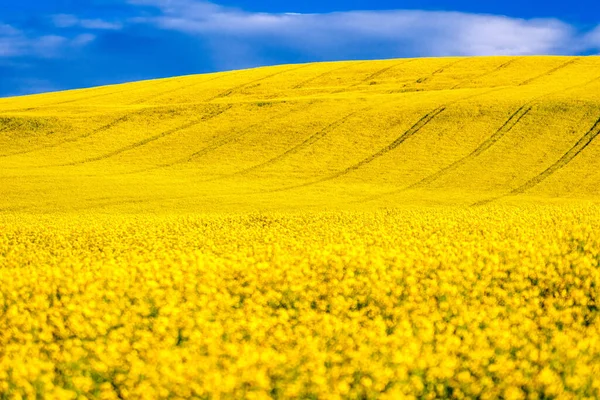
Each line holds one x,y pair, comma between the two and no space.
450,131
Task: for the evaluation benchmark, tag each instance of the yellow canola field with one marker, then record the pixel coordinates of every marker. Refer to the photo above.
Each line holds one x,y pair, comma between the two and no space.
475,302
327,135
415,228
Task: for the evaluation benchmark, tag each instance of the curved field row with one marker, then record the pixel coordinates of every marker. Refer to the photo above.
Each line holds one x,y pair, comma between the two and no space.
365,133
144,141
563,161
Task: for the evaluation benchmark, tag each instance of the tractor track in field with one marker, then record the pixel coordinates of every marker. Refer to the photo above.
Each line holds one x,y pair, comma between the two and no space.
566,158
323,132
74,100
176,89
383,71
314,78
426,78
200,153
95,96
315,137
508,125
549,72
373,75
420,124
230,138
61,102
498,68
103,128
229,91
397,142
140,101
306,143
563,161
232,90
160,83
214,145
142,142
439,71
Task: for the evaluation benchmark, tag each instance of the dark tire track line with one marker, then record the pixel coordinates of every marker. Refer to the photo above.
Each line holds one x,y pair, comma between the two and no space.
498,68
214,146
315,137
513,120
573,152
314,78
520,114
176,89
427,78
230,138
142,142
440,70
566,158
373,75
200,153
508,125
77,138
162,82
62,102
550,72
243,85
393,145
81,99
384,70
78,99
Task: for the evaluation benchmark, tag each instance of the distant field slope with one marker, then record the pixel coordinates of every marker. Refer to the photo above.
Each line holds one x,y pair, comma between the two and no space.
464,131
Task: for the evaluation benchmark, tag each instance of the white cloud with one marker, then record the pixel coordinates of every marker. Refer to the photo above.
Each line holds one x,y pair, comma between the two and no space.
83,39
10,41
16,43
70,21
370,33
46,46
64,20
100,24
592,39
7,30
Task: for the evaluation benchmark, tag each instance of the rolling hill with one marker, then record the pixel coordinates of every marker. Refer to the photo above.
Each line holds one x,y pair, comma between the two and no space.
450,131
399,229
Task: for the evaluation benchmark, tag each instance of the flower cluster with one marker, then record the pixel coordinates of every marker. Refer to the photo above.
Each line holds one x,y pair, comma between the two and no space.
485,302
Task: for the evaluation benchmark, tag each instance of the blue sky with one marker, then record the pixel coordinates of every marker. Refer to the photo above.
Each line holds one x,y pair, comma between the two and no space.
62,44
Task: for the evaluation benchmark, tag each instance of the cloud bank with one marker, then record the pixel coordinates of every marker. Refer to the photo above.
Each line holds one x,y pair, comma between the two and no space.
70,21
16,43
395,33
154,38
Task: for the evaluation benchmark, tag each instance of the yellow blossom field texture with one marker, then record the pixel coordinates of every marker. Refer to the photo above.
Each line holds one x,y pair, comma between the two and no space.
410,228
